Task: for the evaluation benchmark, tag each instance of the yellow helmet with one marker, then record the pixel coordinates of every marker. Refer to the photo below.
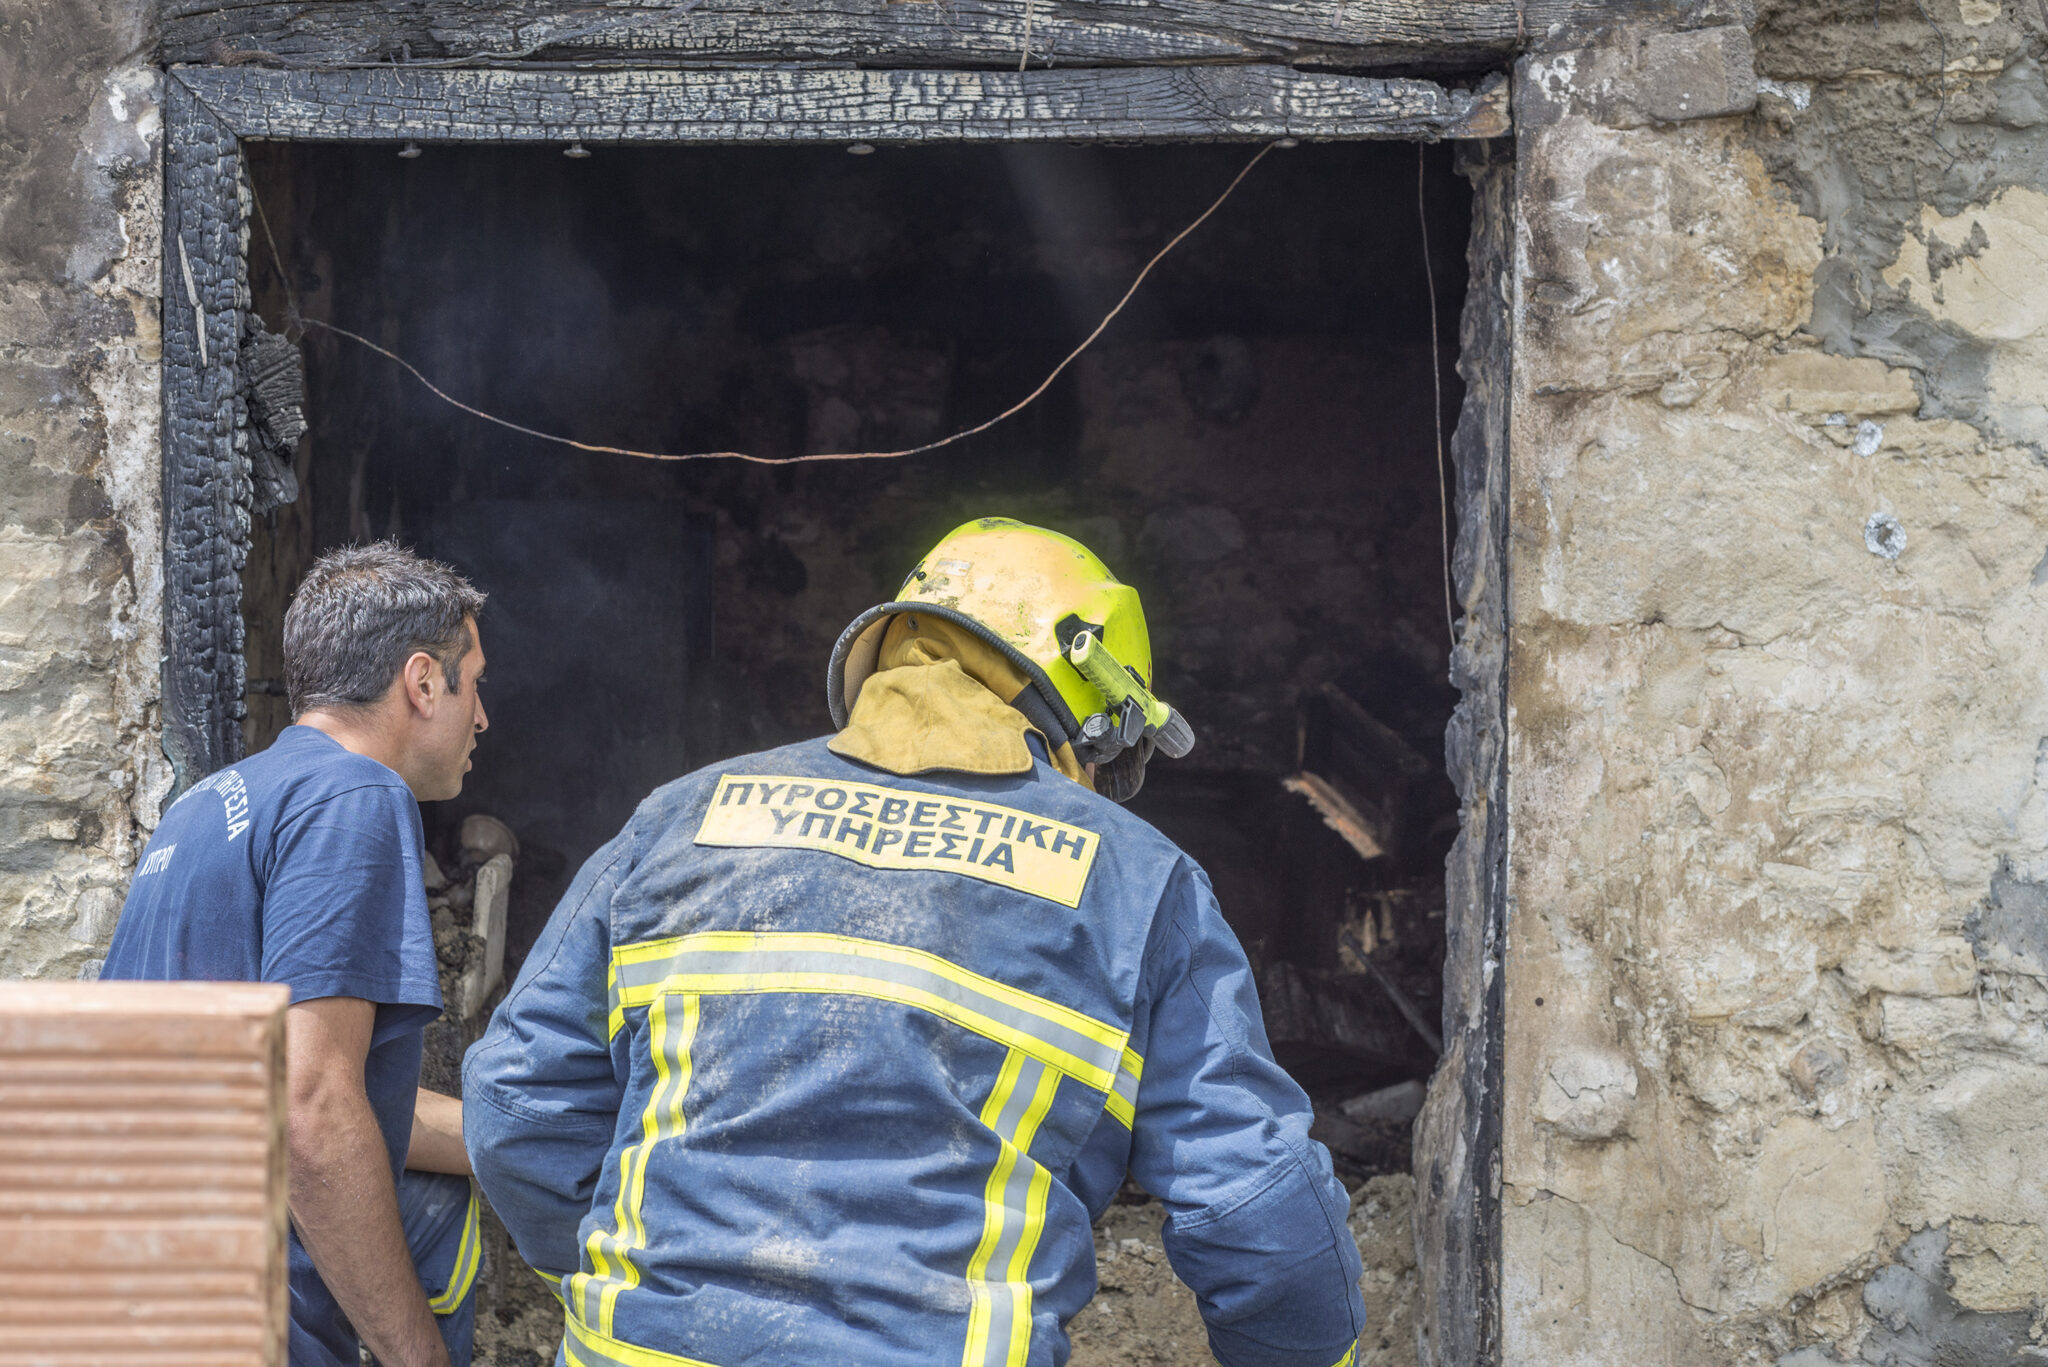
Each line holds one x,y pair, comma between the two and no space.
1054,610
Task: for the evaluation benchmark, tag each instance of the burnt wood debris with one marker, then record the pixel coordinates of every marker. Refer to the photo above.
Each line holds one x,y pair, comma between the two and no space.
274,379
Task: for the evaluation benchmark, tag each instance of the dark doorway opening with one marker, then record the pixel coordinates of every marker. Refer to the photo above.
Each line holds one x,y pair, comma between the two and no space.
1252,444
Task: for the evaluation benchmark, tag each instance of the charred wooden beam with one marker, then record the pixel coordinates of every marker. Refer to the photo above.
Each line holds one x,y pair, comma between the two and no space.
1458,1137
784,105
206,463
1369,1149
1358,773
1356,35
1385,982
1320,1022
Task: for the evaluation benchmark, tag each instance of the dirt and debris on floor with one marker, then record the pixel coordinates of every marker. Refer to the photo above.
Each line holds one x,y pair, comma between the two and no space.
1143,1317
518,1319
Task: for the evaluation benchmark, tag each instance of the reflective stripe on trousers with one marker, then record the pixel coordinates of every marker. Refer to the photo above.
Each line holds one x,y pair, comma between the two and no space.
469,1255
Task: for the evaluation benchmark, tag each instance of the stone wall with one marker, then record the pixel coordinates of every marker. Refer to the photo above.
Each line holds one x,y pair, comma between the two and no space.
1776,1061
81,774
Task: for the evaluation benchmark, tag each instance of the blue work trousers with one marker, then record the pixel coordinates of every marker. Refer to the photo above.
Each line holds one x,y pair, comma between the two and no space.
440,1215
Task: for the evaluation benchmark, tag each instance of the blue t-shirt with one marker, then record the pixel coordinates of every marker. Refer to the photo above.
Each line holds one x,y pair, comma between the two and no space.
301,866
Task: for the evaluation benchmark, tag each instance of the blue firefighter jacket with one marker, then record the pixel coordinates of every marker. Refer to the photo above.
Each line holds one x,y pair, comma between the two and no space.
821,1064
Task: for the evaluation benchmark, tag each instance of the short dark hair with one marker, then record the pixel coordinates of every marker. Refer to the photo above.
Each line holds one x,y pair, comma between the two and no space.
360,613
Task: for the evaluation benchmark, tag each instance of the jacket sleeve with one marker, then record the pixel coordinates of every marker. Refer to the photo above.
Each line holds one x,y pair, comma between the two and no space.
540,1095
1256,1221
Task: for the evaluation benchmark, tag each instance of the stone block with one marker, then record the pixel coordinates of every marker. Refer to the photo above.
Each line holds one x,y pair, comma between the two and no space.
1818,1067
99,909
1574,1295
1972,1144
142,1173
1945,968
1819,385
1817,1204
1996,1265
1647,78
493,896
1586,1093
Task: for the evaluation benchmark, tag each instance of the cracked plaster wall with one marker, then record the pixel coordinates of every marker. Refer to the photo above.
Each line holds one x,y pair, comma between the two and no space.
1777,1003
81,774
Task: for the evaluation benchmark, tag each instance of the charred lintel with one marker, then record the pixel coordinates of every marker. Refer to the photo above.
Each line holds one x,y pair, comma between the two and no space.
1358,35
784,105
1414,36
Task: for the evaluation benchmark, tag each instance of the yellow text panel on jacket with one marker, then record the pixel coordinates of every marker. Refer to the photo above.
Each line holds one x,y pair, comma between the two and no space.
895,828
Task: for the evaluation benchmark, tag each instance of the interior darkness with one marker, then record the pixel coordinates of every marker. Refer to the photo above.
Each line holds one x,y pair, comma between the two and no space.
1251,444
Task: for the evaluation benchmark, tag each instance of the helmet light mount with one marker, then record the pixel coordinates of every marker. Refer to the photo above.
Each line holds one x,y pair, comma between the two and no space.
1130,712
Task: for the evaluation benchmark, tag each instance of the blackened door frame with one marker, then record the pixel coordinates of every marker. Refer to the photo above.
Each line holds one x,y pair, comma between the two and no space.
210,111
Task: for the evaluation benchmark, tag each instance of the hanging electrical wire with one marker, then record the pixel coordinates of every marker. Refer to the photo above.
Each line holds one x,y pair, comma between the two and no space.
1436,377
600,448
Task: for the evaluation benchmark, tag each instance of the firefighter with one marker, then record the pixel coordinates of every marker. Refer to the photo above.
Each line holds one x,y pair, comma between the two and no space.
836,1051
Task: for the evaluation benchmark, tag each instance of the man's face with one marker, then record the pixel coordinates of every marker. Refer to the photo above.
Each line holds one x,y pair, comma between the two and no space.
457,720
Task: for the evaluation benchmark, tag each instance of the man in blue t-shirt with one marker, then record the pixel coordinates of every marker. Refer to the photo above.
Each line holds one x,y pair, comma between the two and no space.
302,866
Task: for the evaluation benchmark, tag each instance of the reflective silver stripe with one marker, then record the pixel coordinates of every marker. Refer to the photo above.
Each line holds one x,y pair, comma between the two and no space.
739,963
1126,1085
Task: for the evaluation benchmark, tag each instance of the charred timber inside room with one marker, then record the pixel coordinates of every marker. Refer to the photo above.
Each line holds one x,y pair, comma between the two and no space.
1252,444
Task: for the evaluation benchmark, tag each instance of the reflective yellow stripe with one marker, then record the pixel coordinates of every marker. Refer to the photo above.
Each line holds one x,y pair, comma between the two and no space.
978,1298
469,1255
594,1294
1013,1217
1350,1356
585,1347
554,1283
1034,1229
1076,1044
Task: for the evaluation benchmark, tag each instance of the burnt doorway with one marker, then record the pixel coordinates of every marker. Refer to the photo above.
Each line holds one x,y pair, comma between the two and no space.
1253,444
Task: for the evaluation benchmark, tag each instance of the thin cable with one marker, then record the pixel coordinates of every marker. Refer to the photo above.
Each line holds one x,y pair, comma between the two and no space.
291,296
976,430
1030,7
1443,497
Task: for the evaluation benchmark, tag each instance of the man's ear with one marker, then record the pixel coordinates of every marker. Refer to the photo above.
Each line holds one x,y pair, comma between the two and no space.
422,679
